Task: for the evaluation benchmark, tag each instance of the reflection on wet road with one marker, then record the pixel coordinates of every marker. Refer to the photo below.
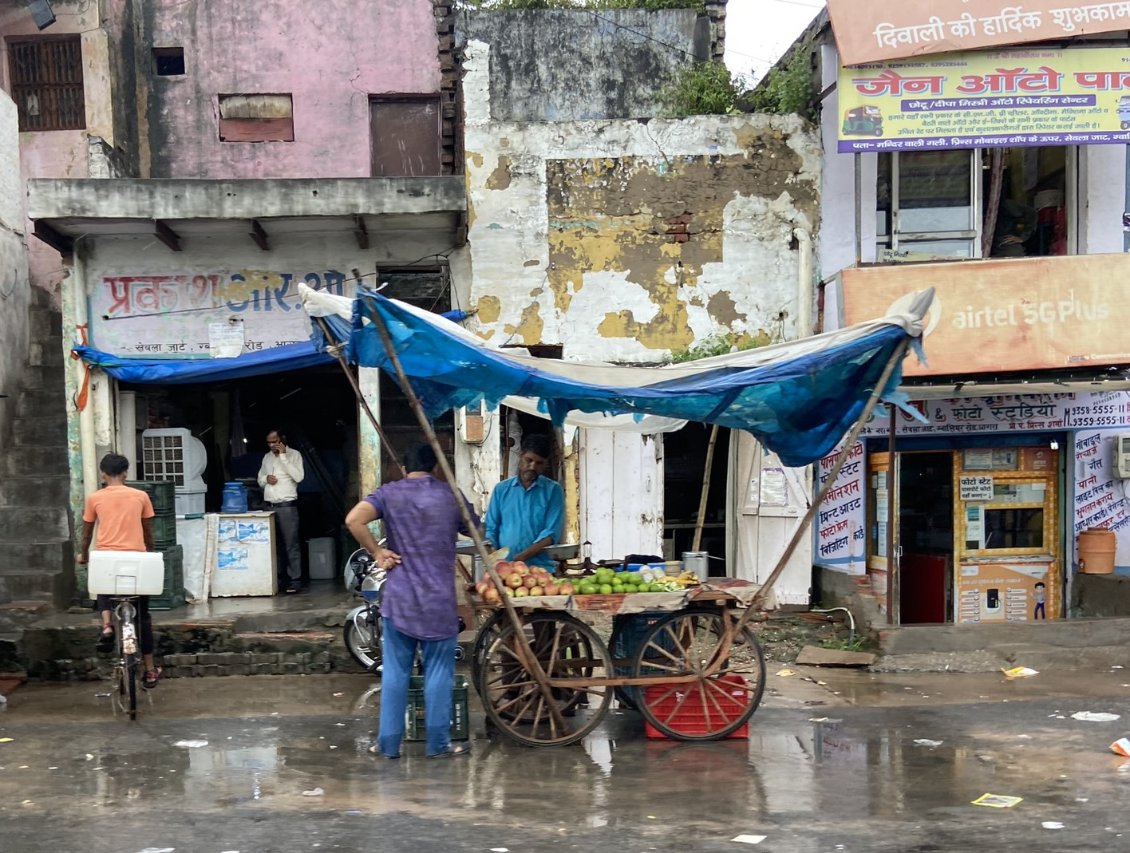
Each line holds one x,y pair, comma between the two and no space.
280,764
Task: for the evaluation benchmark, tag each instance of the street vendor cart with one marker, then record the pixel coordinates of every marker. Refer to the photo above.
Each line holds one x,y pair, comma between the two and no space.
693,666
684,660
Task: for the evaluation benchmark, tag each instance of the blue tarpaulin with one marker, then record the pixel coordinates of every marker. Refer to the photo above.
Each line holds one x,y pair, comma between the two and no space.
797,398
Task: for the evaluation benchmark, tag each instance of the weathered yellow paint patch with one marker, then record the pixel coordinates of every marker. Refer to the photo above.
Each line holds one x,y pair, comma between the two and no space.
530,325
490,309
499,179
476,159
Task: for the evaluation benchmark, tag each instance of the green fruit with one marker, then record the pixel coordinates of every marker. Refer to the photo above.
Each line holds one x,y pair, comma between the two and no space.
606,589
656,587
632,578
631,588
587,589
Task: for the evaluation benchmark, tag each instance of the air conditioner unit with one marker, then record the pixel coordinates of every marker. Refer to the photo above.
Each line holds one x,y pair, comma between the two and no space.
174,454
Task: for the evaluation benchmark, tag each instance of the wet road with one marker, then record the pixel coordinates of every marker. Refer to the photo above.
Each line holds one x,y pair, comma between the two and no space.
859,763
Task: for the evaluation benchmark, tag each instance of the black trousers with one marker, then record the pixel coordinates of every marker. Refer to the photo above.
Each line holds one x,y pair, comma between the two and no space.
106,602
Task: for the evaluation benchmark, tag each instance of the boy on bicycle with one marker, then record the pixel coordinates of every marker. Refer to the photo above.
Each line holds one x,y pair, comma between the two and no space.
125,523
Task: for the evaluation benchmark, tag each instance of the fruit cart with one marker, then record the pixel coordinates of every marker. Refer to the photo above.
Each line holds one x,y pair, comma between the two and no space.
685,659
693,666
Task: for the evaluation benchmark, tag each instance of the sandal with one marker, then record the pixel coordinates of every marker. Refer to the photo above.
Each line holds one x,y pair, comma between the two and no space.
376,750
105,643
150,679
453,750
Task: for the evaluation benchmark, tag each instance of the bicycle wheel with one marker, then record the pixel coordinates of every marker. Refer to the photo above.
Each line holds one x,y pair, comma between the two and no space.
711,706
129,676
565,648
362,634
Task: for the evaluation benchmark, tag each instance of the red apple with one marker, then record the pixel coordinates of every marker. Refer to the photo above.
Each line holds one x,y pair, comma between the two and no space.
491,595
565,588
552,589
514,581
529,581
521,592
536,590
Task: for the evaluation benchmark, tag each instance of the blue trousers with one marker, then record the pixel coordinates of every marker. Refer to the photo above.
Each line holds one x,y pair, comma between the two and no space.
439,678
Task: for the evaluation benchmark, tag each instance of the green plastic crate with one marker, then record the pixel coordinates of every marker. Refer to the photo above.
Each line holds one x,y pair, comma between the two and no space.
172,596
414,716
164,532
162,494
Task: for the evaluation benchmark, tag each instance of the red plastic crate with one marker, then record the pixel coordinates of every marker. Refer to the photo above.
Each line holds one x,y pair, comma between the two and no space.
690,719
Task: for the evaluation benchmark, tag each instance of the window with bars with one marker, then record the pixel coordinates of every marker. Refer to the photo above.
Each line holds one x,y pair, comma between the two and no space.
46,75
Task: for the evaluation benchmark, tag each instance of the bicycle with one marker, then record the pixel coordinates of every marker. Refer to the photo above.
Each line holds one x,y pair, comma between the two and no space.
127,646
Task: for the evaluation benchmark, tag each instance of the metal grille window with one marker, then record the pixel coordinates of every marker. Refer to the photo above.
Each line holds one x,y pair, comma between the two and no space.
46,75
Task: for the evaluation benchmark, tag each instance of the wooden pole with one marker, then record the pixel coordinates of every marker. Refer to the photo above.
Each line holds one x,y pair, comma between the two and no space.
841,458
529,659
335,349
701,518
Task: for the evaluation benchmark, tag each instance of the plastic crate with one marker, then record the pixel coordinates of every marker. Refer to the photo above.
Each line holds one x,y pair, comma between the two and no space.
414,717
691,719
172,596
629,629
164,531
162,494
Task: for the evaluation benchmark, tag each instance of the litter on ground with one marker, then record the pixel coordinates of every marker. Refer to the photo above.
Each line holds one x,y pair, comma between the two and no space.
1094,716
997,801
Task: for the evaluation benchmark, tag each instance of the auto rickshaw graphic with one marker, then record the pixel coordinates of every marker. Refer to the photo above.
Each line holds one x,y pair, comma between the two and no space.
863,121
1124,111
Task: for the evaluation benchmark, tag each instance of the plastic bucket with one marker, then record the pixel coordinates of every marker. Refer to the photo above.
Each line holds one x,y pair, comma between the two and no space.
1096,551
235,498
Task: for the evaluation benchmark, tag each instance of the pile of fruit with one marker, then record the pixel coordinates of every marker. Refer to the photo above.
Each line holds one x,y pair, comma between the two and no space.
607,581
520,581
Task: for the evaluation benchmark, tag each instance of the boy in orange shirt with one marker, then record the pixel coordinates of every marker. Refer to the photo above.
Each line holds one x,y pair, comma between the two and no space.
125,523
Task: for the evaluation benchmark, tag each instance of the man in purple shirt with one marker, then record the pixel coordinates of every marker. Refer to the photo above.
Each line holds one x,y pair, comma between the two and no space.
422,520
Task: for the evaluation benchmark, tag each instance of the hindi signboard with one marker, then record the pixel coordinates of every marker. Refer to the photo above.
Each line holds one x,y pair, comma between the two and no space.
990,99
867,31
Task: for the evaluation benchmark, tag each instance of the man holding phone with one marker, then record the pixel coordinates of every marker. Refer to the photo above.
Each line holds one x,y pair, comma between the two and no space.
279,475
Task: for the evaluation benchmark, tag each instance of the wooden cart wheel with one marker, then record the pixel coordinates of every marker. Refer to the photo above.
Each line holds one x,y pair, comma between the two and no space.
566,648
488,630
711,706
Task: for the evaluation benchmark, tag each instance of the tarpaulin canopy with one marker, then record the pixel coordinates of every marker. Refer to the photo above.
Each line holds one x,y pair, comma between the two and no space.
797,398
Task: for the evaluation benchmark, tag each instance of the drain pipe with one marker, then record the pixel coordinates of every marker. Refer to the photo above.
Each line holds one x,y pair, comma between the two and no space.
851,619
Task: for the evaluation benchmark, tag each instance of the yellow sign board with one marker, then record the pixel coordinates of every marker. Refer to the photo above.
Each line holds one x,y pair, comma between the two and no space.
987,99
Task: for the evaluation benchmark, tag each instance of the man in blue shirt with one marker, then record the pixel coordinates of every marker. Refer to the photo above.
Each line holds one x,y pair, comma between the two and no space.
527,512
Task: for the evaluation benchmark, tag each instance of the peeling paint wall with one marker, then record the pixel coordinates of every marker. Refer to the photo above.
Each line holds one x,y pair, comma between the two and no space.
625,240
567,65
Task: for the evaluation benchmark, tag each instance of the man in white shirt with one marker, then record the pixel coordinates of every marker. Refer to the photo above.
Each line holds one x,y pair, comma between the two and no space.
279,475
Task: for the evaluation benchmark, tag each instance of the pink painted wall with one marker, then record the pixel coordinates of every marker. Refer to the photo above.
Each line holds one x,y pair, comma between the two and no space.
330,55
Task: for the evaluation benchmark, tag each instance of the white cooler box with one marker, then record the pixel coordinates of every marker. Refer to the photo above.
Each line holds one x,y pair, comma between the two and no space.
125,573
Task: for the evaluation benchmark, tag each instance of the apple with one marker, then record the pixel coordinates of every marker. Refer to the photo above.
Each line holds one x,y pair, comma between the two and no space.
514,581
522,569
529,582
491,595
504,572
509,592
503,565
565,588
482,586
521,592
536,590
552,589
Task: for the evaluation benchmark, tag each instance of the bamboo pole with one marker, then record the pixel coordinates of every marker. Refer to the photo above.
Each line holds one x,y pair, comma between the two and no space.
529,660
335,349
841,458
701,518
